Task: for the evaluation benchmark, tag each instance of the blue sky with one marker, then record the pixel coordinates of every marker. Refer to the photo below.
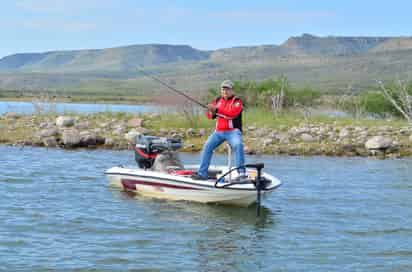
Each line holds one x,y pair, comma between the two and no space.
45,25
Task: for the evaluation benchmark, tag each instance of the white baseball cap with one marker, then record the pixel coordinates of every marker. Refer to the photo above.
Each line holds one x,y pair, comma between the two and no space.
227,84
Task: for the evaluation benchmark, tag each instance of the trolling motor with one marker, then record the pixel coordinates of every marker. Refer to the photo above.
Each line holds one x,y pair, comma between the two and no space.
259,182
147,148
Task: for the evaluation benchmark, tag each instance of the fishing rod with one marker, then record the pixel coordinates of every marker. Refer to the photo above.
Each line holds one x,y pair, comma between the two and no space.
171,88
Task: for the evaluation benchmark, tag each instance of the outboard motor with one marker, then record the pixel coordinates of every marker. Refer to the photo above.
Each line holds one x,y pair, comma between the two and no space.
148,147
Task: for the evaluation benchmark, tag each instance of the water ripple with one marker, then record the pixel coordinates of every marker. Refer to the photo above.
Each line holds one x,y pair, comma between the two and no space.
331,214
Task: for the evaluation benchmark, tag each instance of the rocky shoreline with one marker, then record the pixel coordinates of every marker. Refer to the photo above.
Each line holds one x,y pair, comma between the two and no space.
119,132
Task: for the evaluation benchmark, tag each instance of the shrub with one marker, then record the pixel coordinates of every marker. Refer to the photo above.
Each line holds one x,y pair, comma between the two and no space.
376,104
306,97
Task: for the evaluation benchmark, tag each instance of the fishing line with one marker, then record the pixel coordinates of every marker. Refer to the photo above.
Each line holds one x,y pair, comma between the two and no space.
171,88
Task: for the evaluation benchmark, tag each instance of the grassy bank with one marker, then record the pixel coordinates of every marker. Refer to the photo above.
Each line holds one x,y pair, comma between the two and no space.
261,118
288,133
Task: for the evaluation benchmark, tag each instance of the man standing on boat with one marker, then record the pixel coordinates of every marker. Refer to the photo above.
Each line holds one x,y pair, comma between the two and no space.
227,110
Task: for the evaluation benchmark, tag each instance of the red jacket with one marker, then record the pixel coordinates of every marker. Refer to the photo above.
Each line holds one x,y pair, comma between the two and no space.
228,113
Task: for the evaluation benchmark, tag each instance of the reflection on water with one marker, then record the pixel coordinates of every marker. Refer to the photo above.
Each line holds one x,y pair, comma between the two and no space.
222,238
198,212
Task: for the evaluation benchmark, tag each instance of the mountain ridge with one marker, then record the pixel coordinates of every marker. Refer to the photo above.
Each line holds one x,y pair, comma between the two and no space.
87,59
327,62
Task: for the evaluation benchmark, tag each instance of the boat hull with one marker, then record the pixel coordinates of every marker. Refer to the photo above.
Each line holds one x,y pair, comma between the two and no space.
177,188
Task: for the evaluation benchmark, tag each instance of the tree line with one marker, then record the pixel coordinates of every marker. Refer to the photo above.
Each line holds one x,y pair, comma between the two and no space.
393,98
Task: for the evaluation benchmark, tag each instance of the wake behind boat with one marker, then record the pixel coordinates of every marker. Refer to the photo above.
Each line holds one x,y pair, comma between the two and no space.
161,175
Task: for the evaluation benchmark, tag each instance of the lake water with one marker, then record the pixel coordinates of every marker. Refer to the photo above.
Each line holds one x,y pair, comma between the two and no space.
30,108
331,214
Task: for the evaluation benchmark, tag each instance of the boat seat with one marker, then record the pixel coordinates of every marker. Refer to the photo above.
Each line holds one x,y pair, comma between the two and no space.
166,161
189,172
181,172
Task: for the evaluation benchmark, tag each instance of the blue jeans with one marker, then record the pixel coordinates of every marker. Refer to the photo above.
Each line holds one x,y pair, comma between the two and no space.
234,138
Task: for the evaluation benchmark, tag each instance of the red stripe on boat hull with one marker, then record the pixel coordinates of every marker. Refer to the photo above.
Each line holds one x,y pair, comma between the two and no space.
131,185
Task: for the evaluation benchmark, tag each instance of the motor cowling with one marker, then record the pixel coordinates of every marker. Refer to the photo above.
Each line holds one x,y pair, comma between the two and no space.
148,147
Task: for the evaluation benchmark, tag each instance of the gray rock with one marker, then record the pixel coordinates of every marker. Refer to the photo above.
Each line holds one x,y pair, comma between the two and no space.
344,133
82,125
360,140
249,150
284,138
261,132
202,132
294,131
131,136
190,132
177,135
104,125
386,129
378,142
71,138
87,138
119,130
405,131
322,131
91,140
163,132
109,142
273,135
346,141
97,130
65,121
49,132
12,115
305,137
50,141
135,122
100,140
331,135
84,133
363,134
43,125
144,131
410,138
268,141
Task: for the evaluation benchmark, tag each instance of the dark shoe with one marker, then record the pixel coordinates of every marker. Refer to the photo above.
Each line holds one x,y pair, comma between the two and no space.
198,177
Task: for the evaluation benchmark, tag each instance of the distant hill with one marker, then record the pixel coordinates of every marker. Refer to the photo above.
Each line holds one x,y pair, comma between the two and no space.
331,63
396,44
111,59
332,46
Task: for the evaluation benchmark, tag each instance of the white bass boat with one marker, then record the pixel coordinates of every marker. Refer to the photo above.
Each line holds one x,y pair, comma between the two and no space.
161,175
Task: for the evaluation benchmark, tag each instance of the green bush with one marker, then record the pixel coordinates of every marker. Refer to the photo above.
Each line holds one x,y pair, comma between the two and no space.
376,104
259,94
306,97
